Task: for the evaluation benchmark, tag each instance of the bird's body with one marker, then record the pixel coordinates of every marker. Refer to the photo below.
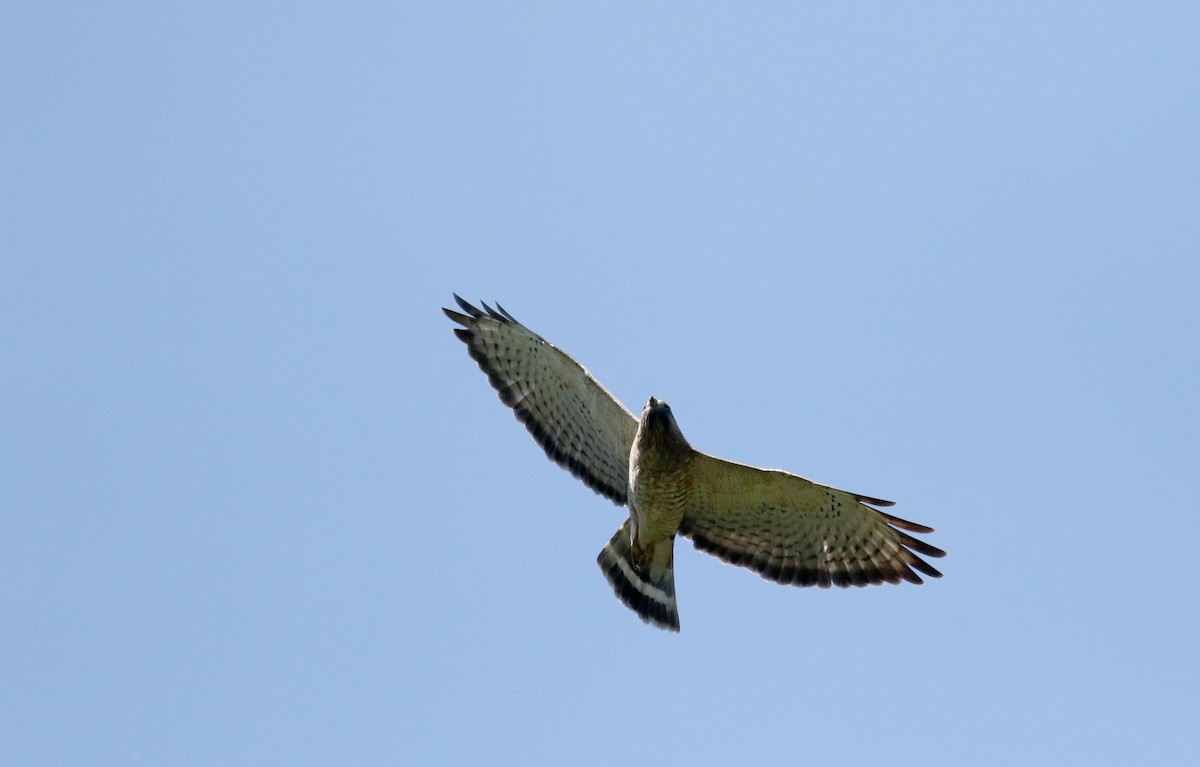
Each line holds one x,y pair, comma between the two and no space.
641,561
786,528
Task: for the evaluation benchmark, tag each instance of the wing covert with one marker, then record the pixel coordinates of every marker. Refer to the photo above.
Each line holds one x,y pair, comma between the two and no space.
570,414
794,531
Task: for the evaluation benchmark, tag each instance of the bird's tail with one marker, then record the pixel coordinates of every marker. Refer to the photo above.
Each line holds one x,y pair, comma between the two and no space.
643,579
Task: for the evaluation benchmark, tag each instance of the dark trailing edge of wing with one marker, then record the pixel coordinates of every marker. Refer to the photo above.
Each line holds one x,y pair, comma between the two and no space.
617,495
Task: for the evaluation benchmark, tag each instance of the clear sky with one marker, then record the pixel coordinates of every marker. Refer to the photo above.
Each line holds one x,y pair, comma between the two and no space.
257,506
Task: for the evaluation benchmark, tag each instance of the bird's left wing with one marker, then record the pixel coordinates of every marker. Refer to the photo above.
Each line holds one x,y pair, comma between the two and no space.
793,531
577,422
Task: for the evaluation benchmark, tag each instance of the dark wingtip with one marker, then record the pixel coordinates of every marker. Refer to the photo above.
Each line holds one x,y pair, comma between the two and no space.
496,315
461,319
507,316
499,313
874,501
921,547
904,572
926,568
904,524
466,307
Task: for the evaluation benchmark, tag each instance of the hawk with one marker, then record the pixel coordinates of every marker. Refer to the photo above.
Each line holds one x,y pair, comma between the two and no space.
785,528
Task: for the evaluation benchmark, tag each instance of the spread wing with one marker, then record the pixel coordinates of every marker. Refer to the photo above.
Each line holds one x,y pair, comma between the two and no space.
577,422
793,531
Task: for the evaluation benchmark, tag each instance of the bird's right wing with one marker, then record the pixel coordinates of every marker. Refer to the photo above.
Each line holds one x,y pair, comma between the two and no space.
577,422
791,530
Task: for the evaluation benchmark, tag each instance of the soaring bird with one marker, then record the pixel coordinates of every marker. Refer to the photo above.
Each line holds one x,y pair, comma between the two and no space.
782,526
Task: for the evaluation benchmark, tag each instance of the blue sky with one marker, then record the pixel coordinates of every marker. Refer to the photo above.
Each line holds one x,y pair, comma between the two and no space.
260,508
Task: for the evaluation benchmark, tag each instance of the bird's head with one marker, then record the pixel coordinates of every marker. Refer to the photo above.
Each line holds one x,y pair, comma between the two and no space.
658,428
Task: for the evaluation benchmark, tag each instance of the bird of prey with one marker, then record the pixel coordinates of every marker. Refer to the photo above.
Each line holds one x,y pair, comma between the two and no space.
786,528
